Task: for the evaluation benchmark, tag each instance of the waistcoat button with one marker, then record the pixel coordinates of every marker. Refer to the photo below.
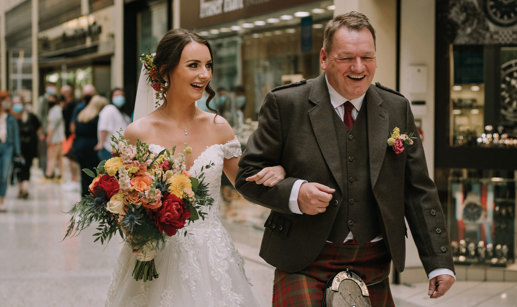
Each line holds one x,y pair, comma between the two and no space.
438,230
433,212
350,223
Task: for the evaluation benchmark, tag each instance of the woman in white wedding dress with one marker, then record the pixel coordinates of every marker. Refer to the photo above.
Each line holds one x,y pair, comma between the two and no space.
202,268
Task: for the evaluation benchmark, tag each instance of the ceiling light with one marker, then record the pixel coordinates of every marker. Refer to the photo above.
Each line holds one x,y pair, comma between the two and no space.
474,88
302,14
247,25
257,35
290,30
225,30
317,26
278,32
259,23
318,11
235,28
474,111
331,7
214,31
286,17
203,33
273,20
457,88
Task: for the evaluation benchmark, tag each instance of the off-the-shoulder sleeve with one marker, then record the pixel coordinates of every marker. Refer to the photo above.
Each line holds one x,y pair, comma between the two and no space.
232,149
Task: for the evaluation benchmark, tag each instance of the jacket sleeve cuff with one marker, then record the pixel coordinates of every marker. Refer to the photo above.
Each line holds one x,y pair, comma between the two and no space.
293,198
437,272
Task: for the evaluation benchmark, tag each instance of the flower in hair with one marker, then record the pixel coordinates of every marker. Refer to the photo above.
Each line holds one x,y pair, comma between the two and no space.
153,75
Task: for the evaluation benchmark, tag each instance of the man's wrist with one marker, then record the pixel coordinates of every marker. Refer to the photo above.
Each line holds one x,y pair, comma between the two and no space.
293,197
441,271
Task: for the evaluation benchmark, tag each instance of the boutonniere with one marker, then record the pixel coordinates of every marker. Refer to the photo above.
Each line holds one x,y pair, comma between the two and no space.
399,141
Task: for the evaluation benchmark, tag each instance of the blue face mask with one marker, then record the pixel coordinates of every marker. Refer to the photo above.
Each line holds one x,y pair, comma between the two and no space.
17,108
119,101
221,100
51,91
240,101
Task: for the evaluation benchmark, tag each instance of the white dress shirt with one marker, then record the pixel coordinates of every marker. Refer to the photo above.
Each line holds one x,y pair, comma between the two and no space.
338,102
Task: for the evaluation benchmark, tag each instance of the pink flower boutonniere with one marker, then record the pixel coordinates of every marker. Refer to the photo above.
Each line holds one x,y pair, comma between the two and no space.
399,141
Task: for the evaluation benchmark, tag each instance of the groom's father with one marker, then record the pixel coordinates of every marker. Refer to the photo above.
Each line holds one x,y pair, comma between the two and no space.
347,190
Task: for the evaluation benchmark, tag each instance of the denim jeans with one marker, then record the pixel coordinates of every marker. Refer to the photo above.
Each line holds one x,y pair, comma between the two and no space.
103,154
6,160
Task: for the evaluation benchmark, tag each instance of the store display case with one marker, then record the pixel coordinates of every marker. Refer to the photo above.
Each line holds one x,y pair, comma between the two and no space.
481,218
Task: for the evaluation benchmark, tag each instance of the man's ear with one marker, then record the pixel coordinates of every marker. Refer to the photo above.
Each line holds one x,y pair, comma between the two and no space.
323,59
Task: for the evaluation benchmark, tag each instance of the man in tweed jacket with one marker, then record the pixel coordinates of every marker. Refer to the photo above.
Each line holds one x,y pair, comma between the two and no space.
346,191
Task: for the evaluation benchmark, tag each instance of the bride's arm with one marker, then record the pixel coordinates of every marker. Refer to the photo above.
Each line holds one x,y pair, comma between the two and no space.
268,176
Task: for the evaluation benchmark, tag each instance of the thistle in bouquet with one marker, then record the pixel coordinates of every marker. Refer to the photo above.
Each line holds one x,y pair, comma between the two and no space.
143,196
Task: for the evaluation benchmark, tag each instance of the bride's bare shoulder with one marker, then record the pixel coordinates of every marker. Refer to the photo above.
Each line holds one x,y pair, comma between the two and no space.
136,130
220,126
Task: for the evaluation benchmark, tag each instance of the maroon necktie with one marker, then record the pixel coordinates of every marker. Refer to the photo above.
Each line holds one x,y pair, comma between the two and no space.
348,119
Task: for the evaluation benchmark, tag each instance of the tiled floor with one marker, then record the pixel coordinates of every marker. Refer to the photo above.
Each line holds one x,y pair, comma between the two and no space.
38,268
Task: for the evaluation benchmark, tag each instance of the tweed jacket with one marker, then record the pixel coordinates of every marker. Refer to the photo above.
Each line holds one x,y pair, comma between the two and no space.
296,131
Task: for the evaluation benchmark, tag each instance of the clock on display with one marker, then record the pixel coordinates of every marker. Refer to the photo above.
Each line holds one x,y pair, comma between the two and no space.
501,12
509,92
472,212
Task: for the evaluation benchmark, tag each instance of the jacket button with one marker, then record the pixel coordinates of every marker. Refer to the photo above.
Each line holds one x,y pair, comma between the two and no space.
335,202
350,158
350,137
350,223
351,179
438,230
273,226
433,212
443,249
280,228
351,201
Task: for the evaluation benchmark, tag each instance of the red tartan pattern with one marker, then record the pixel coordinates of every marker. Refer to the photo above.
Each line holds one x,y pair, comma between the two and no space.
371,261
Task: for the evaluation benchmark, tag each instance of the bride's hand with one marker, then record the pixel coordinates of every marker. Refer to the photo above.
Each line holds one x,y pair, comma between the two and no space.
268,176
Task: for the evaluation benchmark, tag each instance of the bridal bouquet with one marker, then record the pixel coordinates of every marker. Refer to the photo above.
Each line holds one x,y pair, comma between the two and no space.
143,196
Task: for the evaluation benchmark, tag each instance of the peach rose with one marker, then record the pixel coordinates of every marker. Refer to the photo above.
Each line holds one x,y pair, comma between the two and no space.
141,183
133,197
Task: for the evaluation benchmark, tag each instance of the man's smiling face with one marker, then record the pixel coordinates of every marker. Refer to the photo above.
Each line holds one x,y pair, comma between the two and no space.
350,64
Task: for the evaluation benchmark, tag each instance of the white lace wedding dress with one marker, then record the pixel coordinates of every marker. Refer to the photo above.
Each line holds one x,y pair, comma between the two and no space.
201,269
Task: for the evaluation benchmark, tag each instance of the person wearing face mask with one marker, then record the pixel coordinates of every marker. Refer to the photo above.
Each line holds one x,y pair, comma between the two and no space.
55,136
29,126
69,105
9,144
42,113
240,104
111,119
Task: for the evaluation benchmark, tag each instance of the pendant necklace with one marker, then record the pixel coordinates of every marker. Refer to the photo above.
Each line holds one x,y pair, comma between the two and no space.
185,132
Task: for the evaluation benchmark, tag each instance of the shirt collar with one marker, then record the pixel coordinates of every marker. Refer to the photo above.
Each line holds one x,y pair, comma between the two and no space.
337,100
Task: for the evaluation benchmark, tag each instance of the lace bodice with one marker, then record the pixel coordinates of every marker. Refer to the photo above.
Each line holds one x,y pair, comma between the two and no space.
201,268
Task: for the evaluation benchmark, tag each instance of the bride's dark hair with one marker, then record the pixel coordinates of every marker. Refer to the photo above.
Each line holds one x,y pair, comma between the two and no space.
168,54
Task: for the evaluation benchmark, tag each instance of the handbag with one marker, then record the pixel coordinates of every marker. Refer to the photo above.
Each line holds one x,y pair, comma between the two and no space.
346,289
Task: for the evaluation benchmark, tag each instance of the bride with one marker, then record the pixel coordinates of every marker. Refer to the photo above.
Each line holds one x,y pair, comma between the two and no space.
202,268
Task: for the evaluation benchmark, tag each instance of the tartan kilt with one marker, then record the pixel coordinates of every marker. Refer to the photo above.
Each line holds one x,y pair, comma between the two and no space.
371,261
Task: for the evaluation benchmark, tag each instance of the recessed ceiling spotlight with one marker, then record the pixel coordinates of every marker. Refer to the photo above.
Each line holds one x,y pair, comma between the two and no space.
225,30
474,88
286,17
273,20
247,25
318,11
457,88
278,32
317,26
290,30
257,35
203,33
214,31
331,7
235,28
259,22
302,14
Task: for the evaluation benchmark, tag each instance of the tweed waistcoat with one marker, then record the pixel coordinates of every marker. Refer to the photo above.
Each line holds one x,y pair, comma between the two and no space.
359,211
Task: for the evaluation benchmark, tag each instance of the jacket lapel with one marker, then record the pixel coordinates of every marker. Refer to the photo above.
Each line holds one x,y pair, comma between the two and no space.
378,130
323,126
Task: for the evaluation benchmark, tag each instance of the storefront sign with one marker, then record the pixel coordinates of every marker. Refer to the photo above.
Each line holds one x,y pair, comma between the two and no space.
204,13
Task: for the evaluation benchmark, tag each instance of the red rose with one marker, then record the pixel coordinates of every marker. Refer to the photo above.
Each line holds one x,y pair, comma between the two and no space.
109,184
172,215
398,146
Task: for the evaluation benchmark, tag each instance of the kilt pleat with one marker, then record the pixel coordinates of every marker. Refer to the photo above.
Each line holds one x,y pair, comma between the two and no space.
371,261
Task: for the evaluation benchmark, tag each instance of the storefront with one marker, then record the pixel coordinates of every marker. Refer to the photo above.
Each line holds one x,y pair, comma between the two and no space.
476,131
76,45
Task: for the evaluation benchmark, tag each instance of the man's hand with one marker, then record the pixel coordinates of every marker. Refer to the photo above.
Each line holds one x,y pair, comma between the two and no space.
439,285
314,198
268,176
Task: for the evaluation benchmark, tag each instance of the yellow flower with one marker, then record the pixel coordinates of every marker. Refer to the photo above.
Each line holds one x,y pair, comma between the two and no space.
112,165
188,150
116,204
391,141
396,133
178,184
133,170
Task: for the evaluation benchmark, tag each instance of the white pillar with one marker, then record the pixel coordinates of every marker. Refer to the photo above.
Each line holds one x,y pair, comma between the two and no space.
3,59
176,14
35,62
117,60
383,17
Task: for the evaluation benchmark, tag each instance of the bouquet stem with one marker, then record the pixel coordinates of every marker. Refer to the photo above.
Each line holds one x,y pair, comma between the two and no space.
145,270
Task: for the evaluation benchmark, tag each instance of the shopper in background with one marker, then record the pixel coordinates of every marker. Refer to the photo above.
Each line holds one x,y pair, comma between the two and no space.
69,105
55,136
111,120
86,137
240,104
29,126
9,144
42,113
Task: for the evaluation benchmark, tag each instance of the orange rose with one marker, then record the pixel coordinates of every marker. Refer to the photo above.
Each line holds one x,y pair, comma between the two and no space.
141,183
94,182
133,197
